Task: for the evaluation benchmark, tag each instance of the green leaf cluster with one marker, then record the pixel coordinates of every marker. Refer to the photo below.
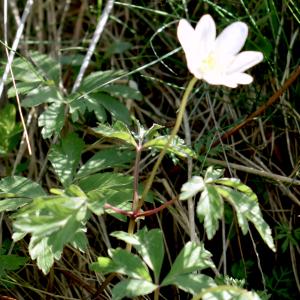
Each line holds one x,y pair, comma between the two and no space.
53,222
150,254
210,207
38,81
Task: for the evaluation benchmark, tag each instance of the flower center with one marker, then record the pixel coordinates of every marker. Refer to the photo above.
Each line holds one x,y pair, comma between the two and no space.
208,64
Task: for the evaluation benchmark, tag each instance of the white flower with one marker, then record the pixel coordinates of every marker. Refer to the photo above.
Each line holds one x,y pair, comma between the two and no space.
216,59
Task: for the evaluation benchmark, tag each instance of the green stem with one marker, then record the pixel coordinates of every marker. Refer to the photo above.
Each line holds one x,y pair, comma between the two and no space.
173,133
156,294
131,227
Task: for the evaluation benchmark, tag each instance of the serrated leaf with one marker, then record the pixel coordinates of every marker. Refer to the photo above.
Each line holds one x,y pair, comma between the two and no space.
95,106
149,245
79,105
13,203
40,67
122,262
131,288
21,187
65,235
52,222
151,249
212,174
19,191
65,157
152,131
123,91
80,240
40,251
247,209
131,264
210,208
191,188
96,80
193,257
193,283
52,119
114,106
118,131
22,88
105,181
96,201
42,94
176,146
108,158
126,237
46,66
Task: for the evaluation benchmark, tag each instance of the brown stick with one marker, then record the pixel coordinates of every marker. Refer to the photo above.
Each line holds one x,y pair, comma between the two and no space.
261,109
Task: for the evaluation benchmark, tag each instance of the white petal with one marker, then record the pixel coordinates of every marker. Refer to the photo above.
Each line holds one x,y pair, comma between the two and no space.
238,78
232,39
231,80
195,71
214,79
186,37
205,35
245,60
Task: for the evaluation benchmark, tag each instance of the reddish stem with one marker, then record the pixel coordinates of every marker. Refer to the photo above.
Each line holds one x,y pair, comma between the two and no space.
139,214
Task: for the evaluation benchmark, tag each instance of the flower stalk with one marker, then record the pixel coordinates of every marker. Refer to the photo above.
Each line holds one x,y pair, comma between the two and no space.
181,110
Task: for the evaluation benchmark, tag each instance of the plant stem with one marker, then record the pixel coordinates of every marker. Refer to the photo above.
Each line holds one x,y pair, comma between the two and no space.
131,227
156,294
135,201
136,171
183,104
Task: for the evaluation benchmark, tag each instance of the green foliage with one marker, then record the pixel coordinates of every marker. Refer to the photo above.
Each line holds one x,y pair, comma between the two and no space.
100,93
11,263
104,159
288,236
112,188
65,157
118,131
18,192
176,147
279,283
192,257
53,222
149,246
241,268
9,129
210,206
52,120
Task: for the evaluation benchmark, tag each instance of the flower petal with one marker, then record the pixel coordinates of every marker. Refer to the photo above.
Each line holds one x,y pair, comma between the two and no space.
231,80
186,37
245,60
237,78
214,78
205,35
232,39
